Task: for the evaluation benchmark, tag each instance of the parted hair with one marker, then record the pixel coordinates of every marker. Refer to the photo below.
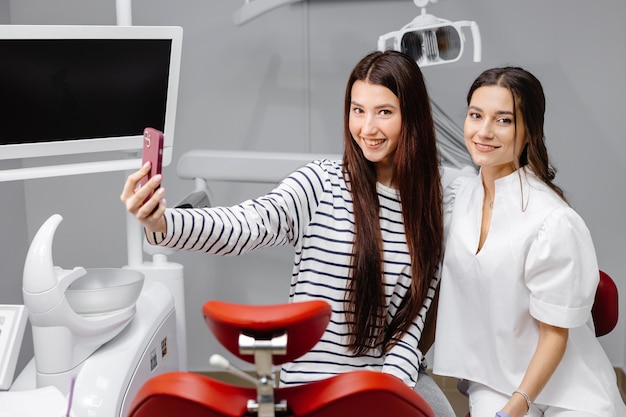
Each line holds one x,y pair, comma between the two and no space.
417,179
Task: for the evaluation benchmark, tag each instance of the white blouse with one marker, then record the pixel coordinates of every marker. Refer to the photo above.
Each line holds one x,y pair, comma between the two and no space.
538,263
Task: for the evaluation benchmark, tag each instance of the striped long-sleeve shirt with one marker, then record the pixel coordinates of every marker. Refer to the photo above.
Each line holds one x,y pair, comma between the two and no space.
312,210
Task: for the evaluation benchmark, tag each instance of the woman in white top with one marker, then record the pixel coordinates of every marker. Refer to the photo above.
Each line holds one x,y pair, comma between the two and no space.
520,272
367,231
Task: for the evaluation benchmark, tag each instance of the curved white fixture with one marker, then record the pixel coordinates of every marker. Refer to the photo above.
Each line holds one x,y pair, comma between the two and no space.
255,8
62,338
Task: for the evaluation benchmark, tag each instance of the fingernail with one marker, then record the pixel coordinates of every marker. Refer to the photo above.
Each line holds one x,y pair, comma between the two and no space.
161,190
146,164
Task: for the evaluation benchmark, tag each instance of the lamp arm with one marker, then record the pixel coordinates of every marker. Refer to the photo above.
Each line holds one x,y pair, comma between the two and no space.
382,40
476,39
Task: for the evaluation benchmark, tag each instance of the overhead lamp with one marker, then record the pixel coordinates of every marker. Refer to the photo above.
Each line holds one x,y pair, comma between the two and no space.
255,8
430,40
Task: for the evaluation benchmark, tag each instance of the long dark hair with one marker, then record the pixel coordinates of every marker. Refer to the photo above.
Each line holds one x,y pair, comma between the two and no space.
529,99
417,179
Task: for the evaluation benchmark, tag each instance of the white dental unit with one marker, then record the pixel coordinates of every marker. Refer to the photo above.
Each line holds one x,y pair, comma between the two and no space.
98,334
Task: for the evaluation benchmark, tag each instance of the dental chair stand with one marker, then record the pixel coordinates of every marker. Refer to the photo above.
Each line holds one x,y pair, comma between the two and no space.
266,336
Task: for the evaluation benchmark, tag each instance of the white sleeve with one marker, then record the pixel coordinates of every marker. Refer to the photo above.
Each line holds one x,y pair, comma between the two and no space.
449,174
562,271
451,181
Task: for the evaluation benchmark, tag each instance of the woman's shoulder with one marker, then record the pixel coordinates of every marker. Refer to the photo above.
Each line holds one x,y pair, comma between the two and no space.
328,165
453,179
545,198
317,176
565,219
323,169
555,218
453,176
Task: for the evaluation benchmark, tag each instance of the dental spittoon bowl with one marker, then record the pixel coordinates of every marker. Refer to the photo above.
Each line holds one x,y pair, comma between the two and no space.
104,290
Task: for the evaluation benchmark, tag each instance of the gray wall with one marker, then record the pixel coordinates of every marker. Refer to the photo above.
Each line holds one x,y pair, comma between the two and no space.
5,7
277,84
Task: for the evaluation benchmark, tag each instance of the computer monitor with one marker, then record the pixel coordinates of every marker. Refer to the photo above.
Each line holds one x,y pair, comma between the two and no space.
72,90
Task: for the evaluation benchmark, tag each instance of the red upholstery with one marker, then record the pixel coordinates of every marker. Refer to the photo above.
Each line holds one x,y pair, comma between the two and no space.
605,309
189,394
305,322
360,393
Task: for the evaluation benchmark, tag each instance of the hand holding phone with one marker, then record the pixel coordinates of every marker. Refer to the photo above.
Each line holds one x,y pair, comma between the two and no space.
152,152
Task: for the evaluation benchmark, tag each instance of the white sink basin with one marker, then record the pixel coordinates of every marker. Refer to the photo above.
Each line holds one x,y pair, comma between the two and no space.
104,290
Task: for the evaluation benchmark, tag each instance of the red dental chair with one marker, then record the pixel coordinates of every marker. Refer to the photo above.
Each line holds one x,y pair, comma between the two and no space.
267,336
605,310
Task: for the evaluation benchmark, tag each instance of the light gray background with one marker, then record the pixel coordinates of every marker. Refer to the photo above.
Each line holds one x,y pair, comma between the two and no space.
277,84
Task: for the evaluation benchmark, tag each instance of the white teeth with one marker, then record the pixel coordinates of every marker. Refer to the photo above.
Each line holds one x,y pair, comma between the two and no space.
374,142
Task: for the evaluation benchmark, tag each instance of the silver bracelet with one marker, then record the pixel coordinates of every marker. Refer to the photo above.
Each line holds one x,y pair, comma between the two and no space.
526,397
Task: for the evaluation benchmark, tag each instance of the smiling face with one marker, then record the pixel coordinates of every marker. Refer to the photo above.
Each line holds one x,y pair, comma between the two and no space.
375,122
494,134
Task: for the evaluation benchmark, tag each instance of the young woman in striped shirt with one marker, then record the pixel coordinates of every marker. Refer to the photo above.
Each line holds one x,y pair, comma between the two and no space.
367,230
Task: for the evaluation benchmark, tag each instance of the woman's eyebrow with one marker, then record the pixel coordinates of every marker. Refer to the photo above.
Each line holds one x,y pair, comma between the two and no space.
498,112
380,106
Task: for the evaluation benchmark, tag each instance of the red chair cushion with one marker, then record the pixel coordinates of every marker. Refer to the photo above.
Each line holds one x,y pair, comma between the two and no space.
189,394
304,322
358,393
605,310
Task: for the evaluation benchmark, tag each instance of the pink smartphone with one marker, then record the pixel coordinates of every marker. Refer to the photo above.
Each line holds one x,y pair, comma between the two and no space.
153,152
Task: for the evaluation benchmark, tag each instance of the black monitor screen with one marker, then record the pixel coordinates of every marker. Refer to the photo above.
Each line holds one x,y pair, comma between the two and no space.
67,89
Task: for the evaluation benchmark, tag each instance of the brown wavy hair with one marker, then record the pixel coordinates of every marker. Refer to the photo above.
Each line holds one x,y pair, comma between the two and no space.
417,179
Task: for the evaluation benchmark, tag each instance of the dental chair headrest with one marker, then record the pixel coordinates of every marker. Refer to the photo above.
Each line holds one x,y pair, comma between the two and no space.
304,323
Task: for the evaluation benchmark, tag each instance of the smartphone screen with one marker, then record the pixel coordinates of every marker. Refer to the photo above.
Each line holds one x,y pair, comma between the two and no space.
152,151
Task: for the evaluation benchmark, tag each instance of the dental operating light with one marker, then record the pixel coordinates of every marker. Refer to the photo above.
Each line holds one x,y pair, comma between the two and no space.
430,40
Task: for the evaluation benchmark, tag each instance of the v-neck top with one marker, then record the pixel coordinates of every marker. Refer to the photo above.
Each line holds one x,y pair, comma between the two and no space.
538,263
